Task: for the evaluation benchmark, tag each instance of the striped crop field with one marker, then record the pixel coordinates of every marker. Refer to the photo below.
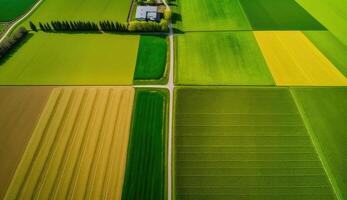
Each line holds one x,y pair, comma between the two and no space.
325,114
207,15
294,60
146,165
79,147
244,143
220,58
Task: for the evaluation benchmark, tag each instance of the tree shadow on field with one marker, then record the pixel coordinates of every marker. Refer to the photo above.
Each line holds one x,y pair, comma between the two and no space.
15,48
176,17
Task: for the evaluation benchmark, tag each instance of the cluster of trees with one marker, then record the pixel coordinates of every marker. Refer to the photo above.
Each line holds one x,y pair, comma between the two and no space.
108,26
148,26
146,1
10,42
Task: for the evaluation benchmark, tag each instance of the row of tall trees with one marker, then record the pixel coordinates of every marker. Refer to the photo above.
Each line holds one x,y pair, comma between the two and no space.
10,42
105,26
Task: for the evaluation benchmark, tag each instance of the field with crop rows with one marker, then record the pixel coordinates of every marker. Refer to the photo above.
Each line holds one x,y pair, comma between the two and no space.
146,165
325,113
151,58
79,146
294,60
11,9
248,143
221,58
18,118
206,15
65,59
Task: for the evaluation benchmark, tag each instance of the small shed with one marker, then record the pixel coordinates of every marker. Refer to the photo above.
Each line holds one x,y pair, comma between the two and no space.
147,13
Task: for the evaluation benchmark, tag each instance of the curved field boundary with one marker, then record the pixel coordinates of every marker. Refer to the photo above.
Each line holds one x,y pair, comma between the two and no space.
78,149
147,154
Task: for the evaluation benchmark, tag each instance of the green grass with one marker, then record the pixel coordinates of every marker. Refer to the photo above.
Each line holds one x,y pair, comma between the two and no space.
88,10
221,58
206,15
2,26
151,58
331,47
324,110
77,59
146,164
279,15
331,13
243,143
11,9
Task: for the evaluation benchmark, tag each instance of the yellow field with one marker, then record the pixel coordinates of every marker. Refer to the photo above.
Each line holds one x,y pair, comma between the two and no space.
78,149
294,60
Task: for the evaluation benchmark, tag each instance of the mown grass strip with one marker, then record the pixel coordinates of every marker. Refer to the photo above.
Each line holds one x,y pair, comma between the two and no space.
151,58
324,111
72,155
146,163
243,143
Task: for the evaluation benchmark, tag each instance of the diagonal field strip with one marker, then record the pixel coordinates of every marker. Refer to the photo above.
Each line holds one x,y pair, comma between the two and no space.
146,167
294,61
65,158
248,143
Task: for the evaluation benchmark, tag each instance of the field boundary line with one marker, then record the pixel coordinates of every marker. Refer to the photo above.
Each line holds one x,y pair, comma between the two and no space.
12,26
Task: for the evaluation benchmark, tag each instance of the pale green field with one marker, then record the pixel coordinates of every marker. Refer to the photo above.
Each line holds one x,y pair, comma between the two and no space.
64,59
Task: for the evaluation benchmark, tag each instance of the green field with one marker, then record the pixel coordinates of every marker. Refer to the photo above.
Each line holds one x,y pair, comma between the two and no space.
151,58
87,10
331,13
146,164
221,58
11,9
324,111
77,59
331,47
243,143
279,15
207,15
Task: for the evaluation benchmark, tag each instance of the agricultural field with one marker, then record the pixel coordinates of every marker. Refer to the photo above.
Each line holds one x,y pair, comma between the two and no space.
72,59
206,15
79,146
331,13
294,60
279,15
246,142
220,58
146,165
151,58
89,10
331,47
324,110
18,118
11,9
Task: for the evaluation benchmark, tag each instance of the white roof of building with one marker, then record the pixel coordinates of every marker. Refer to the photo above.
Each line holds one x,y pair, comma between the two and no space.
146,12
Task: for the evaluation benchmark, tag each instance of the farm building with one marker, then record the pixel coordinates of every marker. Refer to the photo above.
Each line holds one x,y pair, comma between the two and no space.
147,13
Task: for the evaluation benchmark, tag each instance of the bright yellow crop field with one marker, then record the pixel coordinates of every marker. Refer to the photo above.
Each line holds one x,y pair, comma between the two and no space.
294,60
79,147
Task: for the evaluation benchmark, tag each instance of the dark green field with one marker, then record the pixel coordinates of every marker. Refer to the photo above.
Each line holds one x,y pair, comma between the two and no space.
145,176
151,58
10,9
244,143
325,114
279,15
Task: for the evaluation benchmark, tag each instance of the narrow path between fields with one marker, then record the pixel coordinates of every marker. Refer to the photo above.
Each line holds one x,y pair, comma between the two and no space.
20,20
170,87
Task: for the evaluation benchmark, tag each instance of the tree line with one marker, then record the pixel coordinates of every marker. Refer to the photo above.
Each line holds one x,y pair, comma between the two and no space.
105,26
12,41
